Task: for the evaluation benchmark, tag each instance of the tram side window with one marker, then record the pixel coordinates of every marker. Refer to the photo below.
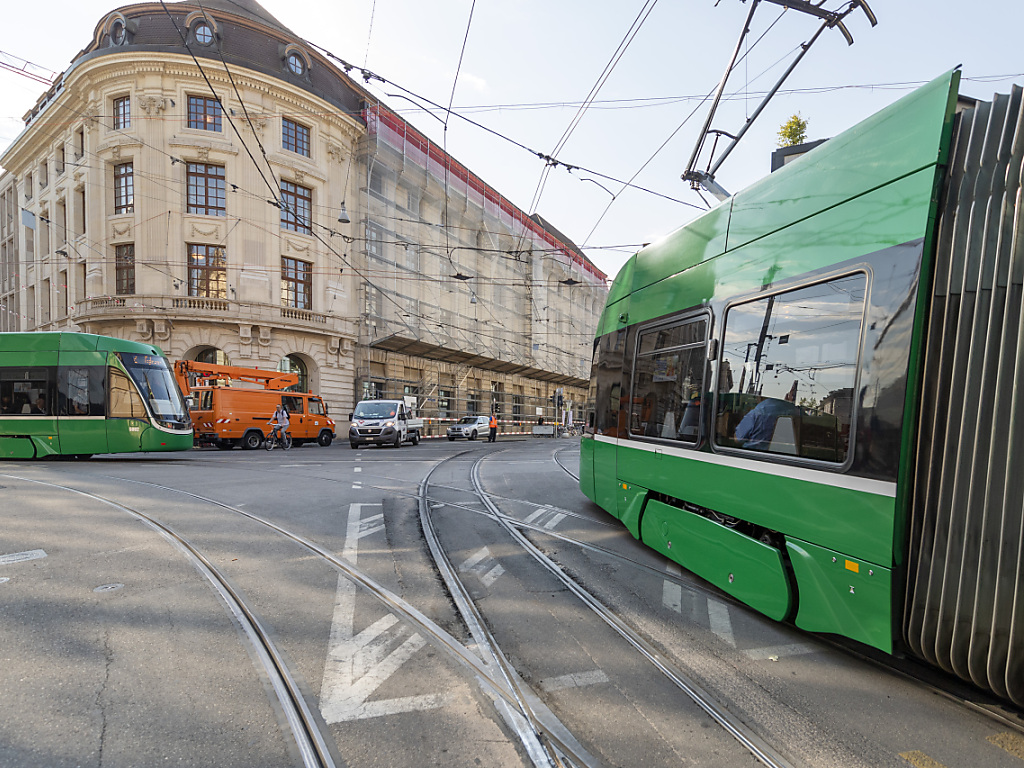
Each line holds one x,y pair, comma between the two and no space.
606,378
26,391
80,390
788,371
668,382
125,402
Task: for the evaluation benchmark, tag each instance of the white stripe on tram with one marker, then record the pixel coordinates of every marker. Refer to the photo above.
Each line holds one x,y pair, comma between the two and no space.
834,479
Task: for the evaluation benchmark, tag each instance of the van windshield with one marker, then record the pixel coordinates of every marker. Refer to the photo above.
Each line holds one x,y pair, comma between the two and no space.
374,410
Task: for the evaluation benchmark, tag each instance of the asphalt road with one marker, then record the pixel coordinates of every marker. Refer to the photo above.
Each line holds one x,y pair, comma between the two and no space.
116,649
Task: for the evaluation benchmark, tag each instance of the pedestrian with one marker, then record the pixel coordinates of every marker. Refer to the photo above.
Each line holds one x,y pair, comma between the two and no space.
492,435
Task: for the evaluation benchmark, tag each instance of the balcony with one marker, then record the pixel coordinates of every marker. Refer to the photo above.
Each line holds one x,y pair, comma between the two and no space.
202,308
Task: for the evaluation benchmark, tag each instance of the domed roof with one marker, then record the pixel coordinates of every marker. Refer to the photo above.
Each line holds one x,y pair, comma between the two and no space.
248,9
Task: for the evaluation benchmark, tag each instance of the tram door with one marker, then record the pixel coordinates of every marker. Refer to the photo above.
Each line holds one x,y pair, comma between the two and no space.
82,404
126,413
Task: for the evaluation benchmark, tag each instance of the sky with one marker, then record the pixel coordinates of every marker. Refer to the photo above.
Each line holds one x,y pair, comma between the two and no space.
523,68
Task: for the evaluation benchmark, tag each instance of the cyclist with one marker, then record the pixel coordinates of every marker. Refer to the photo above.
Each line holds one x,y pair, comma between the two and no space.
280,423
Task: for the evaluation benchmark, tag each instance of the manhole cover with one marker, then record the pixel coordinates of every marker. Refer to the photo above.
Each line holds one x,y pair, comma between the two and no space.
108,587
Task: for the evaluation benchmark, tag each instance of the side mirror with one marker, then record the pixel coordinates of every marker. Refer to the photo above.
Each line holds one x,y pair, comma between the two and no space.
350,417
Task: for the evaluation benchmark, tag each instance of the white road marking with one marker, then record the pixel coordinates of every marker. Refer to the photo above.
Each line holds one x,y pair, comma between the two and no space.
720,622
22,557
359,663
4,579
357,469
796,649
536,514
550,524
672,596
575,680
492,575
482,564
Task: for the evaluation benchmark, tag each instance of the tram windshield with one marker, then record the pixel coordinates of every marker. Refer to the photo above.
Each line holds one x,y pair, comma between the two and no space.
152,375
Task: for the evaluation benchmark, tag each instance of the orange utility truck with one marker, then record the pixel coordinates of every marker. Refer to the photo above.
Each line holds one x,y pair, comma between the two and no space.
227,410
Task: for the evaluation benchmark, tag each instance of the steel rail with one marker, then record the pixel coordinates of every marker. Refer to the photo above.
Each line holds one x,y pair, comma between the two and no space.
431,631
527,701
311,743
759,748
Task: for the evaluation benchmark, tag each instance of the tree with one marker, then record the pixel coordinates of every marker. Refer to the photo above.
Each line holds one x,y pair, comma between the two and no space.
793,131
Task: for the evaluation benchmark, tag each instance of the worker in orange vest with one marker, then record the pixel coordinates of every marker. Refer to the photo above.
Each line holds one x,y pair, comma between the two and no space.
492,436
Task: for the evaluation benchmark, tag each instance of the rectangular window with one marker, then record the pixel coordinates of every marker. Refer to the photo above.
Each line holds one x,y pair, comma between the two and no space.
296,283
124,188
207,271
788,371
374,240
206,189
60,159
44,174
296,207
444,402
28,187
295,136
124,266
26,391
122,113
204,113
668,381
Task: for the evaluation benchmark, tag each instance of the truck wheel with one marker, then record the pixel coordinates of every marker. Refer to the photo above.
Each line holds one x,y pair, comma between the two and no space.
252,440
325,438
398,441
355,446
415,438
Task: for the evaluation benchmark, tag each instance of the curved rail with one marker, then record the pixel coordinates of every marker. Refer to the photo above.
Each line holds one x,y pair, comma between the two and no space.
720,714
529,724
553,731
311,743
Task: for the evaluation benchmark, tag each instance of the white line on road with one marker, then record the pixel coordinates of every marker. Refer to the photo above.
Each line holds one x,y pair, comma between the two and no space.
776,652
575,680
720,622
22,557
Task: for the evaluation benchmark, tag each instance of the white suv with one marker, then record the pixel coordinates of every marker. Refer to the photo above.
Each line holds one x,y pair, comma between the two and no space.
469,427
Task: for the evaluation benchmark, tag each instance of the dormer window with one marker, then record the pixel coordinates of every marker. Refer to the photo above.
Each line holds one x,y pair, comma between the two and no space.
118,34
204,35
295,64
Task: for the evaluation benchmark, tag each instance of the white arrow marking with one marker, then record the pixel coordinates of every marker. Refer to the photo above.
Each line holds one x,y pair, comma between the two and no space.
359,663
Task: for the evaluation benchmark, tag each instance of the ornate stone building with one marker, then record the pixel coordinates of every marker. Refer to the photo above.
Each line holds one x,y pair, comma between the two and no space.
183,183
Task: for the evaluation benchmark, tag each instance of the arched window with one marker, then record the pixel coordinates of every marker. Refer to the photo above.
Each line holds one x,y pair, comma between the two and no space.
295,63
213,356
292,364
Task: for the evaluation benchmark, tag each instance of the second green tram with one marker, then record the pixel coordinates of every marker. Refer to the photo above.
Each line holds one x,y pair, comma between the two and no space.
78,394
810,396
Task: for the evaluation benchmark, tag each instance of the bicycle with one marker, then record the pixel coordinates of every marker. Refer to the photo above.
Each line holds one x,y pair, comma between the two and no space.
285,440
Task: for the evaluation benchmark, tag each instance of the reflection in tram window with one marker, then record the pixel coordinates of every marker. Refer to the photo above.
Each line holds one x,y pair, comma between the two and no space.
791,360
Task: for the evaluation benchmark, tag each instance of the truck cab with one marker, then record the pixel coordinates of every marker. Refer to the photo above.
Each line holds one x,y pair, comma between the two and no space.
384,422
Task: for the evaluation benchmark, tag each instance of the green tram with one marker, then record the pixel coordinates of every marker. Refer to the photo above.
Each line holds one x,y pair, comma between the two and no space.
811,396
77,394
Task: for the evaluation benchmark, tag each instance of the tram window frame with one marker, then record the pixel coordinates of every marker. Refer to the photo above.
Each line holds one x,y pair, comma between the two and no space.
31,383
791,453
80,390
133,399
659,343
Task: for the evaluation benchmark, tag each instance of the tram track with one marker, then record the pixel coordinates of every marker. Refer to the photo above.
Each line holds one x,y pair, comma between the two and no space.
311,742
717,711
534,721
